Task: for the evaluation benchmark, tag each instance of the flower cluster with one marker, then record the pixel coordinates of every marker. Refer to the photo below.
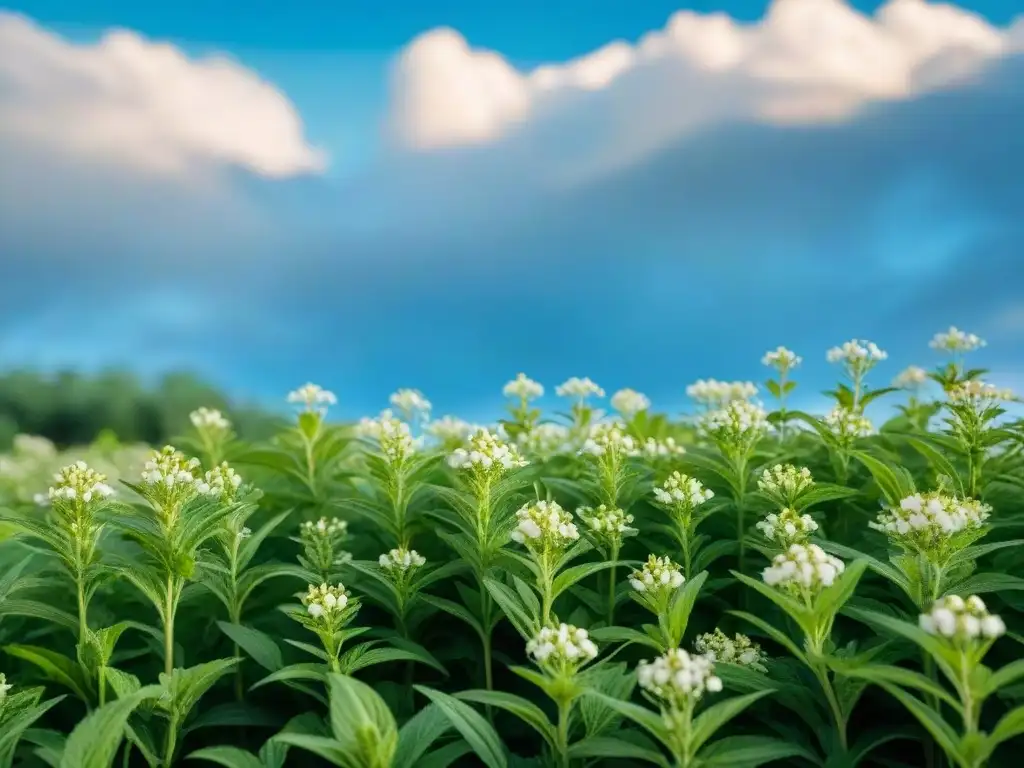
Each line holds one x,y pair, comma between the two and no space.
926,523
979,394
912,377
718,647
609,438
78,482
411,403
737,426
321,544
653,448
487,453
629,402
608,524
659,578
401,560
677,679
544,526
562,649
545,440
955,341
683,489
714,393
325,600
4,688
221,482
578,388
962,621
787,527
803,568
848,425
785,483
170,477
312,397
523,388
209,419
450,431
857,357
781,359
391,434
323,528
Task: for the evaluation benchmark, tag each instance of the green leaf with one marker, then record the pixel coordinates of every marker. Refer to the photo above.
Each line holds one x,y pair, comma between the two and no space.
259,645
907,678
893,487
94,741
186,686
577,573
54,666
982,583
608,747
624,635
418,733
383,655
1003,677
229,757
713,718
512,606
795,610
361,722
682,605
322,746
775,634
477,732
831,599
1010,725
751,751
821,493
453,609
944,735
645,718
522,708
15,726
912,632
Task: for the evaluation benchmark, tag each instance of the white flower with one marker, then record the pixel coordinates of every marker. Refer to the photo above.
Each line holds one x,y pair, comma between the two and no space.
411,402
714,393
487,453
962,621
393,436
579,388
450,430
544,526
523,388
956,341
683,489
77,482
607,524
312,397
220,482
677,679
718,647
781,359
857,356
660,449
168,471
209,418
925,523
847,424
629,402
787,527
325,600
609,437
739,423
979,394
402,560
659,576
323,528
785,483
545,440
4,688
803,567
564,648
912,377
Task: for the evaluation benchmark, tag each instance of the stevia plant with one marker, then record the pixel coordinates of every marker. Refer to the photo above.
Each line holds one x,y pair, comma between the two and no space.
784,361
687,503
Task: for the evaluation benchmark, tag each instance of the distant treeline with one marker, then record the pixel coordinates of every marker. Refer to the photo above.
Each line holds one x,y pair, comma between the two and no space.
73,409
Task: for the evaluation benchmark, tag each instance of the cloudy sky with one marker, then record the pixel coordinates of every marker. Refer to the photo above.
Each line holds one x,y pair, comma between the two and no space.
438,197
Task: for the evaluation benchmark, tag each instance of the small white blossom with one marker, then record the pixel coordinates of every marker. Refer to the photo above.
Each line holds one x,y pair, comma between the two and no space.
683,489
486,452
545,440
781,359
787,527
544,526
962,621
609,438
927,523
563,648
719,647
220,482
979,394
77,482
606,524
411,402
209,418
677,679
661,449
911,377
168,473
739,424
392,436
4,687
785,483
714,393
803,567
578,388
325,600
323,528
245,533
629,402
848,425
401,559
956,341
523,388
312,397
857,356
449,430
659,576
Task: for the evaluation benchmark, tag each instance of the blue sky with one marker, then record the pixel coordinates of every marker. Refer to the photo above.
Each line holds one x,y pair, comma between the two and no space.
369,201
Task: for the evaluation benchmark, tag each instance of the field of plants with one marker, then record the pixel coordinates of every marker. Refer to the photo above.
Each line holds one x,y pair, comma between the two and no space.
749,585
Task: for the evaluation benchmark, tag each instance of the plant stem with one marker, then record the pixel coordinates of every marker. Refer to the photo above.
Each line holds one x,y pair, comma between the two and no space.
932,755
612,585
562,737
821,672
83,625
169,627
170,743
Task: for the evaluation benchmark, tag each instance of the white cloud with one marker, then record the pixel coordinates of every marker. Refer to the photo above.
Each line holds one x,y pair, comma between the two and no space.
144,105
806,61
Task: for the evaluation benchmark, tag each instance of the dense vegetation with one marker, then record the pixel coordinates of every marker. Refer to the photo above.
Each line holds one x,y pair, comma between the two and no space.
742,589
